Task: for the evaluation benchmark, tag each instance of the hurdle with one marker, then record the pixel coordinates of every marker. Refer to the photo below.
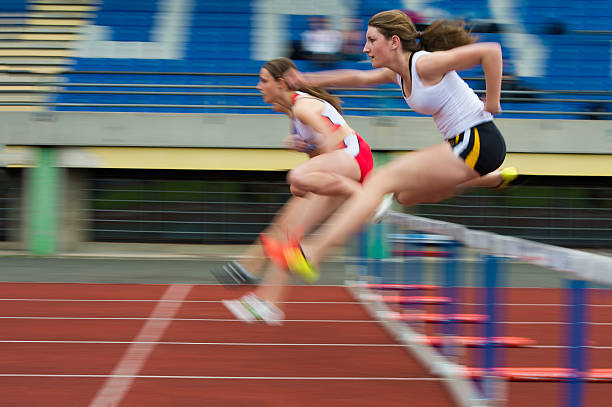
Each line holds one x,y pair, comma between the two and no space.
469,384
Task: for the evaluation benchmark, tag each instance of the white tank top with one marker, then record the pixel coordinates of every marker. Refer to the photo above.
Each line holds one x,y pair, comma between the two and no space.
451,102
307,133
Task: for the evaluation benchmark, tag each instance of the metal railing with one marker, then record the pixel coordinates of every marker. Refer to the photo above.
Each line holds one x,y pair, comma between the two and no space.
182,208
186,208
10,210
228,96
557,212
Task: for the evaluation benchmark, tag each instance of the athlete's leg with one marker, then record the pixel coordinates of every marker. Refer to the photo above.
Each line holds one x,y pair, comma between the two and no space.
298,215
316,209
494,179
334,173
423,173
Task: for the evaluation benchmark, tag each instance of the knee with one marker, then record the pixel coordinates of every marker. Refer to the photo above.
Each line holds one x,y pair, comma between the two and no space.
297,179
408,198
297,191
294,177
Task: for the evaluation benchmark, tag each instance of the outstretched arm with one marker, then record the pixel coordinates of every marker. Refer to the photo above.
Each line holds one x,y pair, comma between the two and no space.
432,67
339,77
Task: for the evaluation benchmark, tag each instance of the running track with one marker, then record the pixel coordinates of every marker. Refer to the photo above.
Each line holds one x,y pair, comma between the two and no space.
176,345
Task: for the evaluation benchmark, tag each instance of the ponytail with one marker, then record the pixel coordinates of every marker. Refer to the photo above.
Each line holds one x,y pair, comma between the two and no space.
440,35
445,34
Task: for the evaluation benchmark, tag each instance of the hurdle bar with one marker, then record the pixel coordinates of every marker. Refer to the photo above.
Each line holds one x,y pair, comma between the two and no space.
580,266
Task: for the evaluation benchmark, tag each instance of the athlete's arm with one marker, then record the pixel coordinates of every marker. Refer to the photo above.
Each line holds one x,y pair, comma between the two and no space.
432,67
339,77
309,113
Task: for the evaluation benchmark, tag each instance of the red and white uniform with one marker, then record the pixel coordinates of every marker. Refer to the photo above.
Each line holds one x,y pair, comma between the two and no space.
353,144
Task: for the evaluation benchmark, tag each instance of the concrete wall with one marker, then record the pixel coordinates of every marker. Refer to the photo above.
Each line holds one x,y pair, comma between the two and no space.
268,131
77,141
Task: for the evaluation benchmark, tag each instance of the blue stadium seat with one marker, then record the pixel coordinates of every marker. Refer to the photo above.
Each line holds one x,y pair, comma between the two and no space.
219,40
13,6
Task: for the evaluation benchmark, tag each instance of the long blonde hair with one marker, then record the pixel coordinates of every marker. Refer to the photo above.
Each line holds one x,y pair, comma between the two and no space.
277,68
440,35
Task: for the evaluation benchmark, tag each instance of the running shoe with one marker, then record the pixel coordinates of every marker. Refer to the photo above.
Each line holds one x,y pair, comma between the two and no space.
273,249
263,310
289,256
508,174
383,208
297,263
233,273
250,308
239,310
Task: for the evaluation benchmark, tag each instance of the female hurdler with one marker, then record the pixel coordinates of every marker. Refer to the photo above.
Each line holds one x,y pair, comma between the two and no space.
423,65
339,161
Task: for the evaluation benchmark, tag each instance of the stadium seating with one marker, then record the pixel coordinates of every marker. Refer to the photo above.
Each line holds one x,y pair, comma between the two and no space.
219,40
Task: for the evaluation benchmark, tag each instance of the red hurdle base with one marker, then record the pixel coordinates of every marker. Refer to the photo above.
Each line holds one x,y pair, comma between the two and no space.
550,374
421,253
401,299
437,318
400,286
474,341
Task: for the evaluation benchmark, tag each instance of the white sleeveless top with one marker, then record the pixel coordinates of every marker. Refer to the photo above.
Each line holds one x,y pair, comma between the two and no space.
307,133
451,102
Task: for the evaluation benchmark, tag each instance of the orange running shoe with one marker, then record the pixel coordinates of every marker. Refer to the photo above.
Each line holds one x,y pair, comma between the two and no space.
297,263
273,249
289,256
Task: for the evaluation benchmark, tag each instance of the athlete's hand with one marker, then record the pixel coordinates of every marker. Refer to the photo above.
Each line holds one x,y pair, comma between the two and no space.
293,143
492,106
295,79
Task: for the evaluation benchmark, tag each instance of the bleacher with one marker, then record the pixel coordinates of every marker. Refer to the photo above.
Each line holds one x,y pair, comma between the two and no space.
215,72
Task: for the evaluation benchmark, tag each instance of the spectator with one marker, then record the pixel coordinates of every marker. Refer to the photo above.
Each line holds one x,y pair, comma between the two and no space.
597,107
353,40
321,43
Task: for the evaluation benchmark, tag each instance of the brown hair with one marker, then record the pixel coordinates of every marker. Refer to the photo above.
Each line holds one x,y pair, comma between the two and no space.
277,68
440,35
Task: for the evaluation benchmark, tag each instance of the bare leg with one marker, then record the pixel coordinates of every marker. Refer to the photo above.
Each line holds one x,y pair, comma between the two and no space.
490,180
413,176
334,173
317,209
299,215
320,186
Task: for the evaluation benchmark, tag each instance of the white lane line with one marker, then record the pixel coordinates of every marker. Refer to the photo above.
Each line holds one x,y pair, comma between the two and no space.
119,382
283,302
157,301
567,347
365,345
335,321
348,345
517,304
431,379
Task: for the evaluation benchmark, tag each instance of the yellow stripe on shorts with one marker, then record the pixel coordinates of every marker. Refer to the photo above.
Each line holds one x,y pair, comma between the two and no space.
473,155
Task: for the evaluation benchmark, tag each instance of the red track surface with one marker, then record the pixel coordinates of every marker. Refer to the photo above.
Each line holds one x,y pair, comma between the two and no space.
328,353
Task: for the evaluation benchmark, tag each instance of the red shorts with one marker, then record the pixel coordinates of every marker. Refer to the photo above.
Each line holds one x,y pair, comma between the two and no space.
360,150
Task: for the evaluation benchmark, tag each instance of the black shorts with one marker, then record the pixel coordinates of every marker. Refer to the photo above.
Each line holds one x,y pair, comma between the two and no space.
482,147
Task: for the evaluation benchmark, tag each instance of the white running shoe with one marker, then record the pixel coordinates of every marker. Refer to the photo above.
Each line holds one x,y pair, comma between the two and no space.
263,310
237,308
383,208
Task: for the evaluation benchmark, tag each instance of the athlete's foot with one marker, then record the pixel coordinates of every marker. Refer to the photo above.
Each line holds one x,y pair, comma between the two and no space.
273,249
508,175
298,264
289,256
250,308
383,208
239,310
233,273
